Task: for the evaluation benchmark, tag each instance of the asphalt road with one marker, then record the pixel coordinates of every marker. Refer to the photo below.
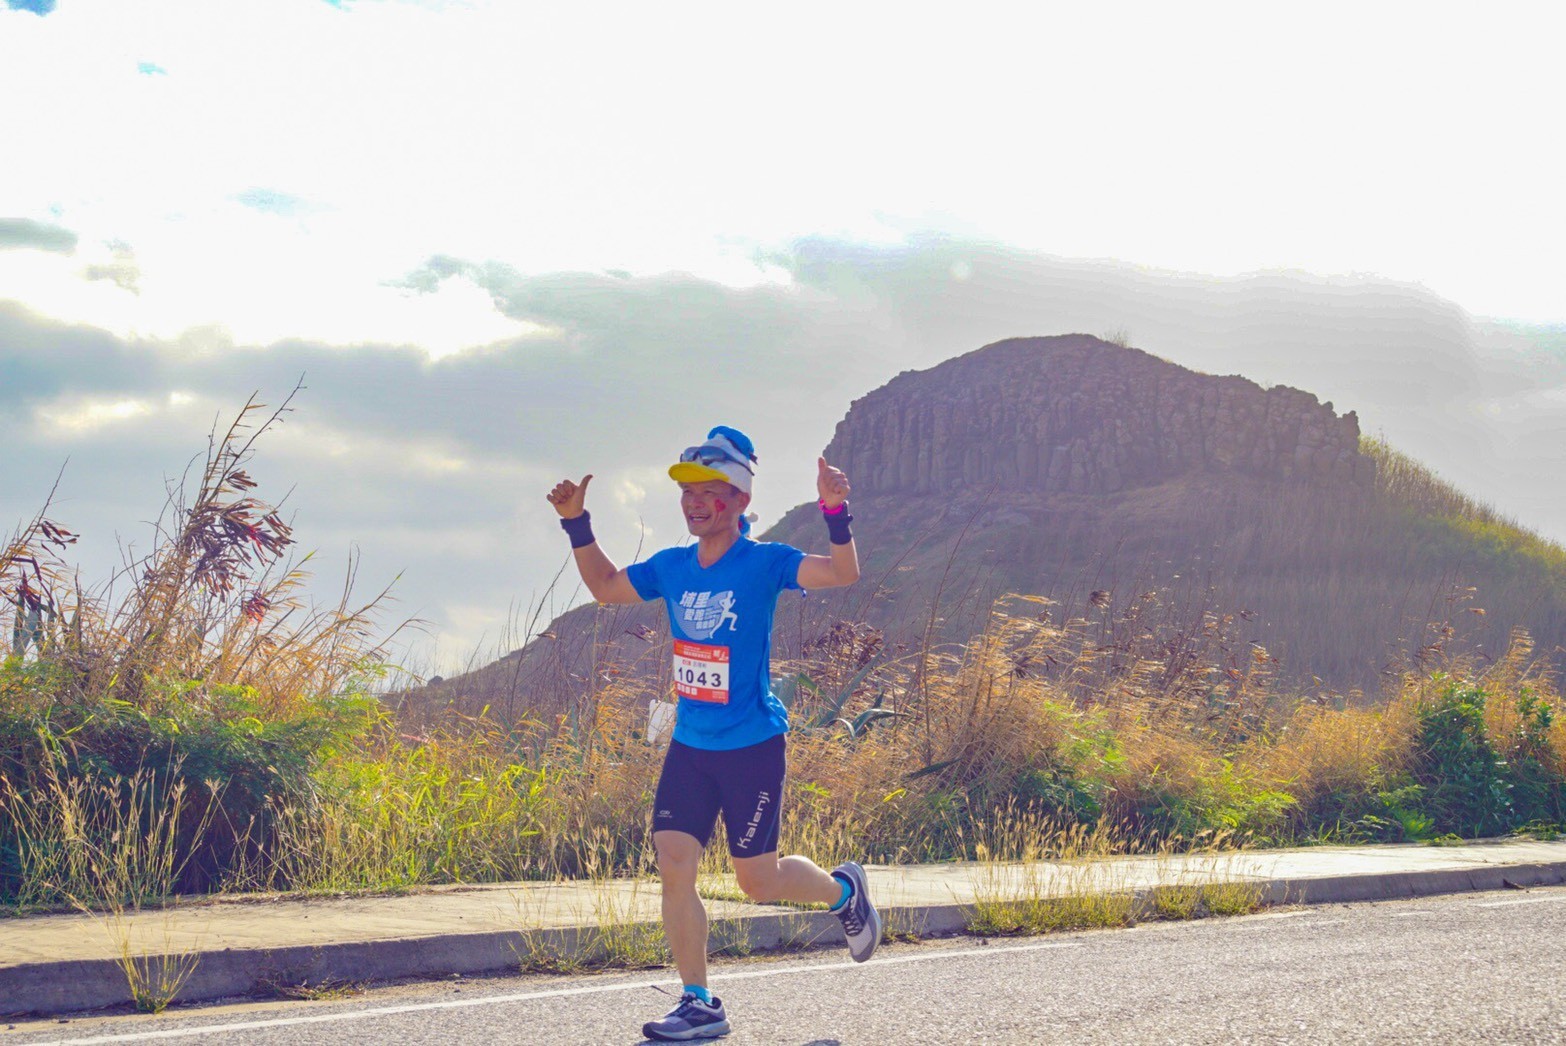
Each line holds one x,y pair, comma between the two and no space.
1472,967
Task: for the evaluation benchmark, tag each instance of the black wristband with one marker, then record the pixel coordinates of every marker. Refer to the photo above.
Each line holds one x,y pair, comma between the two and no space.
579,529
837,525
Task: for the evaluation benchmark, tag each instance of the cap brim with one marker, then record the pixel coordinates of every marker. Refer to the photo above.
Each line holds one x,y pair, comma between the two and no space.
695,472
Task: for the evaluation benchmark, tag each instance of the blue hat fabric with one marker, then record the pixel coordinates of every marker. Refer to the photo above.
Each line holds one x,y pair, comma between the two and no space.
727,456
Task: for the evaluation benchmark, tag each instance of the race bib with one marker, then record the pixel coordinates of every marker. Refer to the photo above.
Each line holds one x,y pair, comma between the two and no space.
701,672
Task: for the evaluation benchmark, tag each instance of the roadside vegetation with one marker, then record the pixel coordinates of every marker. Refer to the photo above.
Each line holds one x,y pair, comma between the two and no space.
193,726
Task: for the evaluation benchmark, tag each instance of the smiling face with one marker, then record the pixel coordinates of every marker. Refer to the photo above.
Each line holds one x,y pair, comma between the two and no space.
712,507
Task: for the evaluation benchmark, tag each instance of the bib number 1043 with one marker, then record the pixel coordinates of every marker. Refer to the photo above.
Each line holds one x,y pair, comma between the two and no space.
701,671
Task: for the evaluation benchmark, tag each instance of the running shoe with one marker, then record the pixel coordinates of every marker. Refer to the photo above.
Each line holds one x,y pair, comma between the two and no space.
691,1019
861,922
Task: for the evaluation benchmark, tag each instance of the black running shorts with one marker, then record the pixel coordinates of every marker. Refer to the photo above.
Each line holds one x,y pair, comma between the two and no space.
745,783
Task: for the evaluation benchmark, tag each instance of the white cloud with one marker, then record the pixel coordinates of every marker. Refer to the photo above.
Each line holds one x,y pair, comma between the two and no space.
1225,140
88,416
630,493
394,460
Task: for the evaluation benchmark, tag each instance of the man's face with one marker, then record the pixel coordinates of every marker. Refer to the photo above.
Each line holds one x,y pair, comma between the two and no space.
712,507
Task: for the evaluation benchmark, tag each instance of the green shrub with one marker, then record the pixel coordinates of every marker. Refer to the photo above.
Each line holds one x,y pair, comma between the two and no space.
1466,783
1222,801
235,761
1536,785
1057,791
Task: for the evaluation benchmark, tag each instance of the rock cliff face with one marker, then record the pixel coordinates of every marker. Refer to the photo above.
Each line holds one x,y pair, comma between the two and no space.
1081,471
1080,415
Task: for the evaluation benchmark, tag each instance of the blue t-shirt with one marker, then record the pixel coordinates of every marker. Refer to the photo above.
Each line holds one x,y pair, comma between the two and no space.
721,617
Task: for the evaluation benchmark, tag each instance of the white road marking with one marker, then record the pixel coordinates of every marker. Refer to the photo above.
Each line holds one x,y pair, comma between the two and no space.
1408,915
452,1004
1524,900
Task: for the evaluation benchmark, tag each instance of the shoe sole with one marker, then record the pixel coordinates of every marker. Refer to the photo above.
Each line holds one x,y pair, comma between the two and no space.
709,1031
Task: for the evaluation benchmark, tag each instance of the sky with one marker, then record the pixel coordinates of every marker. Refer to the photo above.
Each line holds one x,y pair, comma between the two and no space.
503,243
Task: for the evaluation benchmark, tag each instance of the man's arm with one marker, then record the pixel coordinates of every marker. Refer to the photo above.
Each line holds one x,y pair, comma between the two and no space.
834,571
607,583
842,566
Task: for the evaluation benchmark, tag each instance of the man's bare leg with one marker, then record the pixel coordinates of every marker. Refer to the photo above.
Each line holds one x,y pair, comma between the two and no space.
684,916
799,879
770,878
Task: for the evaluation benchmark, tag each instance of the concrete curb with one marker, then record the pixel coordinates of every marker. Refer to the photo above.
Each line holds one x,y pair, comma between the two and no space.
62,987
1388,886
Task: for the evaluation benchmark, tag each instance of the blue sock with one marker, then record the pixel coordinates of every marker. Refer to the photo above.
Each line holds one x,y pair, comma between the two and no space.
848,891
698,991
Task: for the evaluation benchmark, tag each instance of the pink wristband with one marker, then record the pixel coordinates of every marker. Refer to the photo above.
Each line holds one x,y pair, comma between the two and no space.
841,507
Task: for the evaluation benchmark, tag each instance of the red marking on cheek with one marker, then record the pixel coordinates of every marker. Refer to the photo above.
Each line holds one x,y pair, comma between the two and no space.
720,506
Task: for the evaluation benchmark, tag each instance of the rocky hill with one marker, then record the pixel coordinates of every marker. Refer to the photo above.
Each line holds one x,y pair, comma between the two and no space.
1078,415
1145,501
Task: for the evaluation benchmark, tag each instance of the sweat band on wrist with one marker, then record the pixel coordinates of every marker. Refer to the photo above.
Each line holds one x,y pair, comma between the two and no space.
837,522
579,529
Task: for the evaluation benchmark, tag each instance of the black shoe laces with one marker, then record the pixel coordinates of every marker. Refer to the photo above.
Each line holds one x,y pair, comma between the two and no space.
853,917
687,1004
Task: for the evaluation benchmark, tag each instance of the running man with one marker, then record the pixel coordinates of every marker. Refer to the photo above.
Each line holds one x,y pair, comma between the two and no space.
727,753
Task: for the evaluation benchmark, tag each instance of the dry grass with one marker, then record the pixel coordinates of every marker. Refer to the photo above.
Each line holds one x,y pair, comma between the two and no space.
1144,709
215,600
621,932
154,965
1052,878
329,989
620,913
1321,754
994,748
1197,885
1039,876
1232,897
1037,898
1194,901
108,849
106,843
1005,914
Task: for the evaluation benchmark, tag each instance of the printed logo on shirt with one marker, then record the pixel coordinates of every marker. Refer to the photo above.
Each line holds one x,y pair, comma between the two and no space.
704,614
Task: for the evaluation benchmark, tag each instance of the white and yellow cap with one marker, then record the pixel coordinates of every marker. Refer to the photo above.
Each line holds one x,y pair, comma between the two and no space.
726,456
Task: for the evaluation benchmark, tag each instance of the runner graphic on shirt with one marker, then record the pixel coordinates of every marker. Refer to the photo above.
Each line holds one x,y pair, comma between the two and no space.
726,602
703,613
